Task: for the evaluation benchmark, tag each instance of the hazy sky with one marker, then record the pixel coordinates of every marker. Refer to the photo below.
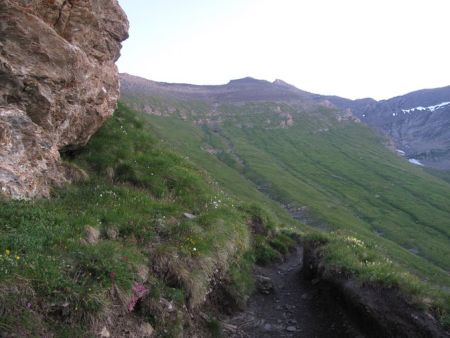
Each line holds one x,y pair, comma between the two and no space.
351,48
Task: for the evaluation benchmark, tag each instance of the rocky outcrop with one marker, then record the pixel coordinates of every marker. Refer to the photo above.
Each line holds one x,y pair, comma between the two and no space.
58,84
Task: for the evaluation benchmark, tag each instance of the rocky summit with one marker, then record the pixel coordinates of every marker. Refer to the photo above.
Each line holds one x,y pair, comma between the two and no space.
58,84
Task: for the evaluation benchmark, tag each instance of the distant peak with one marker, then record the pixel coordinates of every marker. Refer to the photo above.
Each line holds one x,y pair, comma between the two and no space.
280,83
246,80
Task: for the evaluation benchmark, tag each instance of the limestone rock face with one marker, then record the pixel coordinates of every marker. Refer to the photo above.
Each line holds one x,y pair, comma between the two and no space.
58,84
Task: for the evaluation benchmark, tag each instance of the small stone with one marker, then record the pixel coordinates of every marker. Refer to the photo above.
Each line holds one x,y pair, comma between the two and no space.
147,330
142,273
92,235
112,233
291,329
189,216
264,285
104,333
305,296
267,327
110,173
168,305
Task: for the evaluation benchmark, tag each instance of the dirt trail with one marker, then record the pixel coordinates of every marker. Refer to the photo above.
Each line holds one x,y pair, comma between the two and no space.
295,308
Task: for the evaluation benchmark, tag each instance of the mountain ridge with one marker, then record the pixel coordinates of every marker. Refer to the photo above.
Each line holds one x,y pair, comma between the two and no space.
420,133
443,91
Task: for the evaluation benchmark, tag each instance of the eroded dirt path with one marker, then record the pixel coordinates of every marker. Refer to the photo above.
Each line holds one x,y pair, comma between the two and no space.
295,308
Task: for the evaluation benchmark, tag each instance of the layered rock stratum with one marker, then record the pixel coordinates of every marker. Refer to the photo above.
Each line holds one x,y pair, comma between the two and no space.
58,85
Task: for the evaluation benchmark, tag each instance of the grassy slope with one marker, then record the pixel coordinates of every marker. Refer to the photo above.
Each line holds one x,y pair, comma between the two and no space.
52,280
350,181
386,215
445,175
192,141
341,171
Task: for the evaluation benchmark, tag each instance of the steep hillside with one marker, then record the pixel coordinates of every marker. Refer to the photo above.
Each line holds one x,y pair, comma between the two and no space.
135,248
319,164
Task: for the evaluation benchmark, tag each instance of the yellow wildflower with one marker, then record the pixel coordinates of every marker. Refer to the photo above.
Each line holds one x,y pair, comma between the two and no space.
7,252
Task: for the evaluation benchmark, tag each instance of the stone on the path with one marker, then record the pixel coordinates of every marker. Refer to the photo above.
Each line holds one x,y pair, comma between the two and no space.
146,330
264,285
291,329
267,327
104,333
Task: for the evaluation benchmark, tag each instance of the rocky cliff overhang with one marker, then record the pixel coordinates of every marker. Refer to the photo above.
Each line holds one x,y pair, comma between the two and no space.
58,85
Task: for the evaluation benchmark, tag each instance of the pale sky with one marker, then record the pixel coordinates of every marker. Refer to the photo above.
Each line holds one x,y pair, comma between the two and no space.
350,48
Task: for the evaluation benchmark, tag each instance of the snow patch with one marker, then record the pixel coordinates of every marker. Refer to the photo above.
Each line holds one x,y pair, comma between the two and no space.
429,108
401,152
416,162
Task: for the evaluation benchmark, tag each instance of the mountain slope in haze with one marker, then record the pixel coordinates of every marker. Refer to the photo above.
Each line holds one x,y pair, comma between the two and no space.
318,163
418,123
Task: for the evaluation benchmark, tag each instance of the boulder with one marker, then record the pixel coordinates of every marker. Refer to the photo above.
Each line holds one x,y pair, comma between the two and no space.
58,85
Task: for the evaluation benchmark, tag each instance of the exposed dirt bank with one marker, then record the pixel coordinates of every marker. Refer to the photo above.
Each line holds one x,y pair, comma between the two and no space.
382,311
295,307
